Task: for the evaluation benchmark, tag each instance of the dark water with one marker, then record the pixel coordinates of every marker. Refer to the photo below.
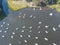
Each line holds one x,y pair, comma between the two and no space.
20,22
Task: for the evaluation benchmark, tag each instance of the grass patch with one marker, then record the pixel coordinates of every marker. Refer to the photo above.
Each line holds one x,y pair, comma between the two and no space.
16,5
56,6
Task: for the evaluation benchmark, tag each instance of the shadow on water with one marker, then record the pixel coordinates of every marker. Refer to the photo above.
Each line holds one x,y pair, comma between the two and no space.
2,16
2,13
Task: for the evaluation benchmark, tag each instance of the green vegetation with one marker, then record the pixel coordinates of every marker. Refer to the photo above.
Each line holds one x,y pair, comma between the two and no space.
16,5
58,1
56,6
